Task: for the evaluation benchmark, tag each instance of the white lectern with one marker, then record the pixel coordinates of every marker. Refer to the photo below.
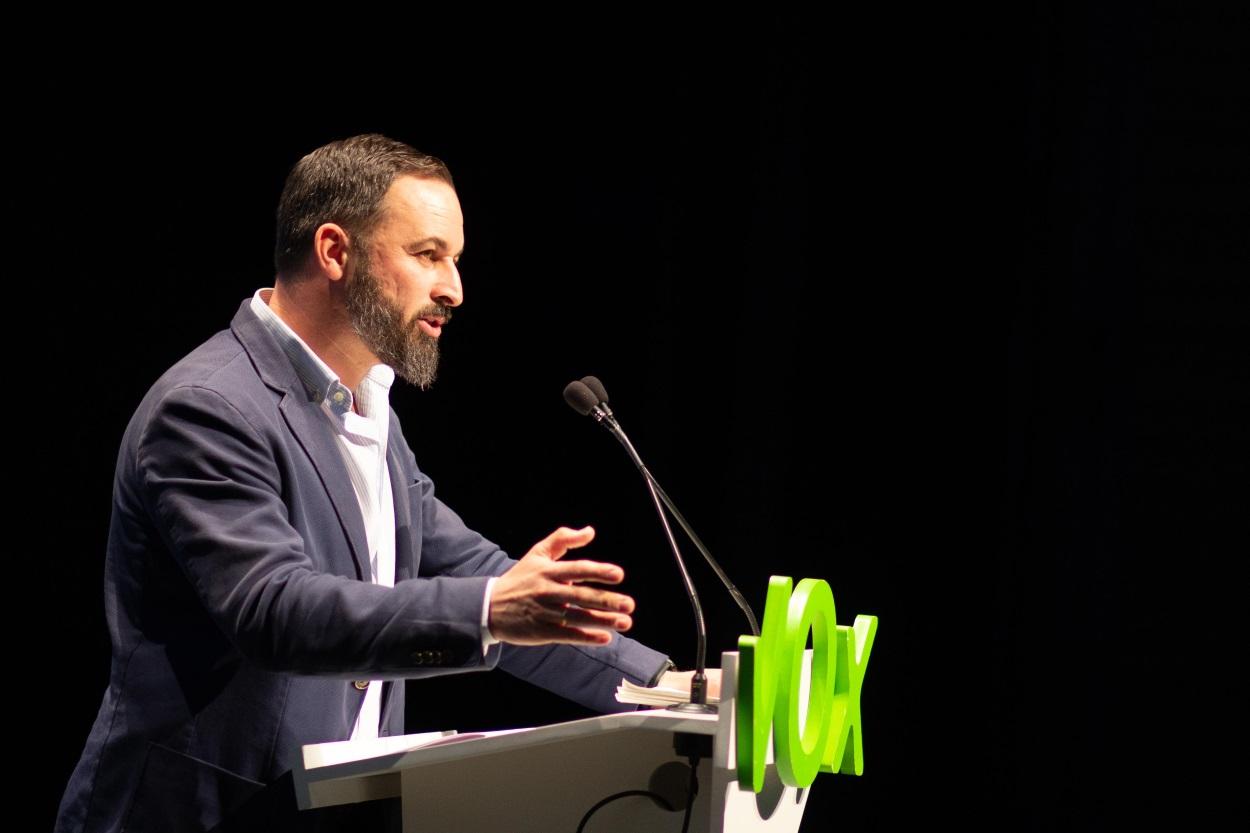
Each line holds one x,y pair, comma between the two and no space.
545,779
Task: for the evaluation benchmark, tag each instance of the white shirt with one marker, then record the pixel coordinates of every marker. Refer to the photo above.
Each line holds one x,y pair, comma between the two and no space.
362,439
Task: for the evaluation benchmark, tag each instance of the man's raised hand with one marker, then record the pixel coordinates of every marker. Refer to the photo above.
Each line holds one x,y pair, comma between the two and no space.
541,600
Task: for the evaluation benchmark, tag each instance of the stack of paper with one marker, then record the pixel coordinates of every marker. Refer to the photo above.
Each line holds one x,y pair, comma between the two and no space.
628,692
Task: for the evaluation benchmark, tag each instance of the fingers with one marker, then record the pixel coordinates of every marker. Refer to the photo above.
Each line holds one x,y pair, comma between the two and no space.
578,626
573,616
556,544
579,636
579,571
569,625
587,597
543,600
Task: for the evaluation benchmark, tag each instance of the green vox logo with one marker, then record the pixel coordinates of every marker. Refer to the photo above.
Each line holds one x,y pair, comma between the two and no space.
769,669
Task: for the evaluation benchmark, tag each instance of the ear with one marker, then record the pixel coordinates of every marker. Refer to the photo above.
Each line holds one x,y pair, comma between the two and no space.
330,248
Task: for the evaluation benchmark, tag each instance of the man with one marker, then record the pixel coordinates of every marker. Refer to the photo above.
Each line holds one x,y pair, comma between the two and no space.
276,557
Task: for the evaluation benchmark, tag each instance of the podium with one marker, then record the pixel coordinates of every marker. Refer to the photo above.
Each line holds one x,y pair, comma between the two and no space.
547,778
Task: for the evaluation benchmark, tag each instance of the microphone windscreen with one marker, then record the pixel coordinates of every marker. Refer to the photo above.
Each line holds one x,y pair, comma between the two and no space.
580,398
596,387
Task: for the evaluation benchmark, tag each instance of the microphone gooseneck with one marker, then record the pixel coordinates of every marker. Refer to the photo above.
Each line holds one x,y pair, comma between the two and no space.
589,397
596,388
578,395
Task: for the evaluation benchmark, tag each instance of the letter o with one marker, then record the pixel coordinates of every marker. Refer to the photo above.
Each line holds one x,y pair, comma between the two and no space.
799,752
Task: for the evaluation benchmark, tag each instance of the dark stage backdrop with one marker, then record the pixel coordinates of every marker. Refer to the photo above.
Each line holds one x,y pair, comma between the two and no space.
907,307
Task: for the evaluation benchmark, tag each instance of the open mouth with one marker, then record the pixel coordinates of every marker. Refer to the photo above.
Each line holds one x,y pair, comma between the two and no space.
431,325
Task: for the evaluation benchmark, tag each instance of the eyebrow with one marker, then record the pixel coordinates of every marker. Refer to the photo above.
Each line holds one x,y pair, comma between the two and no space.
438,243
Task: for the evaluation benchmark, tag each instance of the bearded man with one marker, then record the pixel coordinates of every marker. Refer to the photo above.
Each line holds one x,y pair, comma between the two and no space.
277,564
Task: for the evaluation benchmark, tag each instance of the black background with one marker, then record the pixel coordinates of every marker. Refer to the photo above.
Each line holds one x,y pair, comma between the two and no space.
949,311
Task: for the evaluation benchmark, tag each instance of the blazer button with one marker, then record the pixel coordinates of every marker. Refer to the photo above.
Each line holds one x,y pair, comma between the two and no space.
361,685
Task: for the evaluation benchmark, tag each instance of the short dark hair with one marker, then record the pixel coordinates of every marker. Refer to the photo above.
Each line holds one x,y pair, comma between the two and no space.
343,182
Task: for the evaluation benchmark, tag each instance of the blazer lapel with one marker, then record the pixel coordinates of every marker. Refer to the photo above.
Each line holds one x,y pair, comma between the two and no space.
401,492
310,428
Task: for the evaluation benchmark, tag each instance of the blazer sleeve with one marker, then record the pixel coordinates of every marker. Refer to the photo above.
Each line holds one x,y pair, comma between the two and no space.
209,480
584,674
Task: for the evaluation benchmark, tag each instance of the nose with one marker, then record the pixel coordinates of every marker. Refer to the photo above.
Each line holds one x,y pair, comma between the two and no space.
448,290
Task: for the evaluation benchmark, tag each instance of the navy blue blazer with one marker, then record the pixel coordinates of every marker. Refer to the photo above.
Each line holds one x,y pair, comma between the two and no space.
238,605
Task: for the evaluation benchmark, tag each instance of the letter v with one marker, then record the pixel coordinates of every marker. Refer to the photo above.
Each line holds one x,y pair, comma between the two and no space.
759,660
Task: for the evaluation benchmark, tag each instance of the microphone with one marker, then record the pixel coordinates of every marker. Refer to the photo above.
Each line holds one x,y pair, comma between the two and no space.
589,398
583,400
601,393
596,387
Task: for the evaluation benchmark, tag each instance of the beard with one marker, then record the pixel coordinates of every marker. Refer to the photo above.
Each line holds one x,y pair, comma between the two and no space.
411,353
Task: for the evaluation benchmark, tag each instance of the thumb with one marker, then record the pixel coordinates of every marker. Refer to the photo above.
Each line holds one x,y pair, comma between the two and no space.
556,544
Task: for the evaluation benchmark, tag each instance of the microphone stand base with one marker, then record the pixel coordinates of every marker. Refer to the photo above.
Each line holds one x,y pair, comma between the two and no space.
694,708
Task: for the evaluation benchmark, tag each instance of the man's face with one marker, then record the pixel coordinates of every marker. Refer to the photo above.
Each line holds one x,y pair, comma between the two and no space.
404,280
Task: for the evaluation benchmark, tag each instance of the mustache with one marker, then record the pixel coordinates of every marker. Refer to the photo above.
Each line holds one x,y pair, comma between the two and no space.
431,311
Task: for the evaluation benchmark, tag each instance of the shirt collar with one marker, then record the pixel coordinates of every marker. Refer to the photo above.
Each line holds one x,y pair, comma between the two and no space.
320,382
